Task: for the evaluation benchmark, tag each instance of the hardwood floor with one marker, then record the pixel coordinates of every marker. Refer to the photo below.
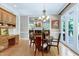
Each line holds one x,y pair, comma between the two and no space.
24,49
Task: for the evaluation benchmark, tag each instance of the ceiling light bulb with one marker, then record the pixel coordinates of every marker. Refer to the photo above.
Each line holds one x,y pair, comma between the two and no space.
43,16
39,17
44,20
47,17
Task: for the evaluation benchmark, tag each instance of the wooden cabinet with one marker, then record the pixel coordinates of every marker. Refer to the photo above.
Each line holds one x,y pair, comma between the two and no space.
0,16
4,16
16,39
7,41
7,18
14,20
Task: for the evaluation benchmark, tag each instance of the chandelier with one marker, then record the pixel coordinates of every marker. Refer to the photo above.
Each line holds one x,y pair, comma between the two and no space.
40,21
44,17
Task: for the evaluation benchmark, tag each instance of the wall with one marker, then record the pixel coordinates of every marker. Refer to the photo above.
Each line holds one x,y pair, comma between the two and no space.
24,27
24,22
54,32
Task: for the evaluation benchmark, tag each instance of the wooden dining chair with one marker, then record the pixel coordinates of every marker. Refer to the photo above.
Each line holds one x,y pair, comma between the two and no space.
31,37
38,44
54,43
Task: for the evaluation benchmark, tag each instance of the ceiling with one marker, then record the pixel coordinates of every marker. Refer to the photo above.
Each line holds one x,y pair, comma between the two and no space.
35,9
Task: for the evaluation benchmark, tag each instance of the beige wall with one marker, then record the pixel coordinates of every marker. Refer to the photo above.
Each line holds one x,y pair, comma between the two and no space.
54,32
24,27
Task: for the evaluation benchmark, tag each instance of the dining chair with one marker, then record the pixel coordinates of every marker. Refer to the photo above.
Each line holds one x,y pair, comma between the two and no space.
39,45
54,42
31,36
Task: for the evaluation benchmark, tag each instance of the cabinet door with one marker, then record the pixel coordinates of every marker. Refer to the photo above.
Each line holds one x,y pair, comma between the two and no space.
0,15
4,16
14,20
9,18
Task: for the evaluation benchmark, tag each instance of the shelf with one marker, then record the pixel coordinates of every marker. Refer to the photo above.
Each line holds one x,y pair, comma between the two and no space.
7,27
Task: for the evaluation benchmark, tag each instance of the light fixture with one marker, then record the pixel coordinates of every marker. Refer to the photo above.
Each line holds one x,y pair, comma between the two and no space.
39,21
44,18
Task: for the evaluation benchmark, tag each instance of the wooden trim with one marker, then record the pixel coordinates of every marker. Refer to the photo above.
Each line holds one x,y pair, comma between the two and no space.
7,11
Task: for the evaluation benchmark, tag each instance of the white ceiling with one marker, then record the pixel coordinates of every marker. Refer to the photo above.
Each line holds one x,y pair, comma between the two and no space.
35,9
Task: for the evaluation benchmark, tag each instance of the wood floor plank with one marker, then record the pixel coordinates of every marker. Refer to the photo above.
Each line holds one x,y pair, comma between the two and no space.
24,49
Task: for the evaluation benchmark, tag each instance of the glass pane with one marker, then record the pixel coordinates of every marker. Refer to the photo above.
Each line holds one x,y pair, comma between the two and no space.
70,28
63,26
70,33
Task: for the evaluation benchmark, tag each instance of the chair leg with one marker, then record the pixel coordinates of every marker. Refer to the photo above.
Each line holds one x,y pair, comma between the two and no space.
42,52
33,44
30,43
49,47
58,49
35,52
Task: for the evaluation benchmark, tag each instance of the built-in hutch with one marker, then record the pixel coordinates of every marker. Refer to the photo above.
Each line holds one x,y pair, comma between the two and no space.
7,19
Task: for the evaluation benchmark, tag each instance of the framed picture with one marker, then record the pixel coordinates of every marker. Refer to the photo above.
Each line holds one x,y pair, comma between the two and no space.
55,24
